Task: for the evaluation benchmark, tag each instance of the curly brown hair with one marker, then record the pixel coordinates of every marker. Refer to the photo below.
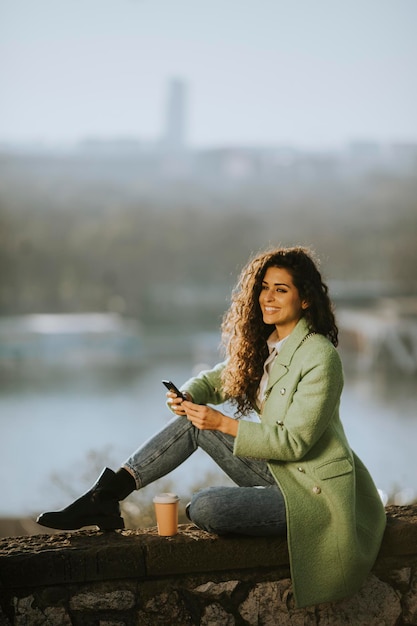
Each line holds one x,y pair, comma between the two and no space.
244,333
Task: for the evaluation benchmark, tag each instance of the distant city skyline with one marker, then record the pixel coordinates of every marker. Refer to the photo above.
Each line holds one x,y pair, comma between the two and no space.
309,75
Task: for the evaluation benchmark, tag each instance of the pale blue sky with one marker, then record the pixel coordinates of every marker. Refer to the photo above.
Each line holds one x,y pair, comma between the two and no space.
310,73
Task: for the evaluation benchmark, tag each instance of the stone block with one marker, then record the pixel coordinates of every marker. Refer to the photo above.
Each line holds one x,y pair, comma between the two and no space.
118,600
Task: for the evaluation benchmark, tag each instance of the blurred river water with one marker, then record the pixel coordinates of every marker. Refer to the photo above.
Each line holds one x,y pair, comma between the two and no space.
58,429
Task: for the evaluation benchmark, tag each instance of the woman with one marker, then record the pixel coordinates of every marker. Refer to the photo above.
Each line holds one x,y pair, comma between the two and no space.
295,471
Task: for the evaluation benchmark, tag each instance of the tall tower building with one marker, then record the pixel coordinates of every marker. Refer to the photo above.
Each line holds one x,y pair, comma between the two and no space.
175,121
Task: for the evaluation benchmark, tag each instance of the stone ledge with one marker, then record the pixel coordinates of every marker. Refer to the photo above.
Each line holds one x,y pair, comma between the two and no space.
135,577
401,533
88,555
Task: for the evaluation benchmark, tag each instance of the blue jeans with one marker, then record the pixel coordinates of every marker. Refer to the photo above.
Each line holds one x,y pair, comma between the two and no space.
256,507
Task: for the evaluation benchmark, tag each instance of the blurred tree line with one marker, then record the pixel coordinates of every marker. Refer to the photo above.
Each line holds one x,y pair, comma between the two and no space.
82,235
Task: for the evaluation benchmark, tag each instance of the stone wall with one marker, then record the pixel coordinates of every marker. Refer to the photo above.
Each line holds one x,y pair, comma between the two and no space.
136,578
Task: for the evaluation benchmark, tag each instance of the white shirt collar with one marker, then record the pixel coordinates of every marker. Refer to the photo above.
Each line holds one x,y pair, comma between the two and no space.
274,346
274,343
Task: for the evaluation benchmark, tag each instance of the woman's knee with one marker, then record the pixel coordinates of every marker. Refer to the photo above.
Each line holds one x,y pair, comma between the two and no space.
203,510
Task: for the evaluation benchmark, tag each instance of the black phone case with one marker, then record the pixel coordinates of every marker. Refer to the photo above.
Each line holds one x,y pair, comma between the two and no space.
171,387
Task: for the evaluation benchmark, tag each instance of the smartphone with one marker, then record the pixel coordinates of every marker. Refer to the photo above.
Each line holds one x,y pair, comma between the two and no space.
170,385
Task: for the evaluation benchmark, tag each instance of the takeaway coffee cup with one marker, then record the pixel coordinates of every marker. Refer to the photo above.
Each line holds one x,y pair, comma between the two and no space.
166,510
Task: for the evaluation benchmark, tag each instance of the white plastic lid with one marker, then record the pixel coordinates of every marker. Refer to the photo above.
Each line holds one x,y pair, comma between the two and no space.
166,498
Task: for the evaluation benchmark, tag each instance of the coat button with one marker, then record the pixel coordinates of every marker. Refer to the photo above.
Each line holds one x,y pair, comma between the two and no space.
280,423
300,469
282,391
316,490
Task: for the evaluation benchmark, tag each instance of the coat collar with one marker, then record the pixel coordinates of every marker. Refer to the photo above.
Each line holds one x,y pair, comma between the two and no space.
283,359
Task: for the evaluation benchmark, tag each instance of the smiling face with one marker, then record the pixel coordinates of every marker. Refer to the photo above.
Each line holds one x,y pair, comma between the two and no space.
280,301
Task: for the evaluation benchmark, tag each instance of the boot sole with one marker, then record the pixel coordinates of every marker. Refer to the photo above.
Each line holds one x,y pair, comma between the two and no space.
103,523
116,523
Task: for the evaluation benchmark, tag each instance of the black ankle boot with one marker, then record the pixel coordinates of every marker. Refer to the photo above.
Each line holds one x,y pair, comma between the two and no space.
98,507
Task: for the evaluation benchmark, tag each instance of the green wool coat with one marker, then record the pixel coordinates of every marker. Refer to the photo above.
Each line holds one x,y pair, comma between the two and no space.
335,517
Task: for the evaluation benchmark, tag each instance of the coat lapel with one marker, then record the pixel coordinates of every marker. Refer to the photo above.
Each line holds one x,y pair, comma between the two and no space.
283,360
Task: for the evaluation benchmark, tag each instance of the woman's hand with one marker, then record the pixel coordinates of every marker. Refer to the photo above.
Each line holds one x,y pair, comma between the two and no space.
204,417
176,403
